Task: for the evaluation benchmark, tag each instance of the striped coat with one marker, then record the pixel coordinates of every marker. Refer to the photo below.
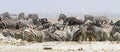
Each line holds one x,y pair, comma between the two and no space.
21,16
8,24
44,26
23,23
32,35
33,16
8,32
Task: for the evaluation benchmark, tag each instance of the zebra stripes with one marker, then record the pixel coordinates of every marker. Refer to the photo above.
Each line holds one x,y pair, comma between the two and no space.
8,24
31,26
23,23
44,26
32,35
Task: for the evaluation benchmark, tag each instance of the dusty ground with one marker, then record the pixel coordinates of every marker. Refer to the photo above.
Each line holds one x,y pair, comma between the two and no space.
62,47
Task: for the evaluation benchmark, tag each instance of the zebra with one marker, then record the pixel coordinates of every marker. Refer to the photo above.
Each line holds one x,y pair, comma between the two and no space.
88,17
8,16
23,23
58,33
8,24
36,22
44,26
98,20
33,16
102,20
27,26
117,23
8,32
70,21
43,21
29,34
21,16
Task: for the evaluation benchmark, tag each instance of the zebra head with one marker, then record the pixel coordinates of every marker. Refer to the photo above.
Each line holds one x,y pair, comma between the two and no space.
62,17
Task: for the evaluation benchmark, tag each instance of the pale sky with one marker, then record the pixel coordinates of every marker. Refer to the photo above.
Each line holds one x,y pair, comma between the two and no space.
48,6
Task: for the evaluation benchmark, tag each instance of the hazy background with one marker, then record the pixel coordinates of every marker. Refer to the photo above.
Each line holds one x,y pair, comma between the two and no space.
52,8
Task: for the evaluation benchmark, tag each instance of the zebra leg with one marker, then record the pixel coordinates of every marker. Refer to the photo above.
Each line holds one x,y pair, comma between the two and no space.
84,38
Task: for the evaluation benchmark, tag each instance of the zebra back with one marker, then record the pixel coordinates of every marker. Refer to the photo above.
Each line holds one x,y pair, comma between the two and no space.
35,35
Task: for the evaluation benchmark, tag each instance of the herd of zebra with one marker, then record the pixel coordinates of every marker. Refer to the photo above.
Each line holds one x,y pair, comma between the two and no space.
32,28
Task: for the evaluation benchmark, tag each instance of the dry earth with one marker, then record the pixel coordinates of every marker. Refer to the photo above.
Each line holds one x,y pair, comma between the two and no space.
62,47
